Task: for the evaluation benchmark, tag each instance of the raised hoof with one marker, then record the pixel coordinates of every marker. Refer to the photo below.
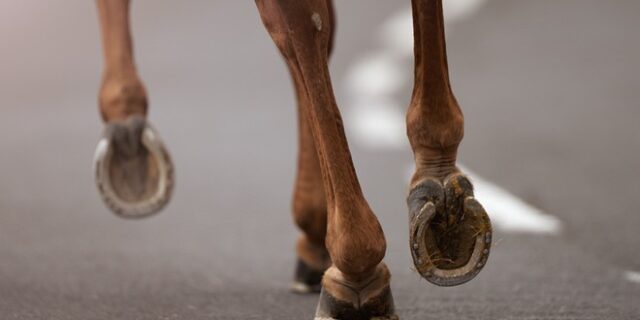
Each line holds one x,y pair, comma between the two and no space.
450,232
134,172
370,299
306,279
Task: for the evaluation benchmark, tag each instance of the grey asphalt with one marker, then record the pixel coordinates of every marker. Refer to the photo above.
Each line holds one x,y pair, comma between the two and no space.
550,91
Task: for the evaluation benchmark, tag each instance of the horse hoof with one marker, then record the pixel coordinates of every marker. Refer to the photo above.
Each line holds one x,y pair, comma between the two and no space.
370,299
134,172
450,232
306,279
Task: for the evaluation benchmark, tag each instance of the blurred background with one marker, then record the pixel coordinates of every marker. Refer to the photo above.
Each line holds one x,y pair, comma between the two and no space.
550,93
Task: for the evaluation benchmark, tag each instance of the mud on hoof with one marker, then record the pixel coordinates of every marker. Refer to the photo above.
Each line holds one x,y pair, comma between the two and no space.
369,299
134,172
450,232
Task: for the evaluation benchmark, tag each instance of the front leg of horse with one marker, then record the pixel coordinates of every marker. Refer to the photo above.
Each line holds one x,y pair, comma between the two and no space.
450,233
309,199
357,285
309,204
134,172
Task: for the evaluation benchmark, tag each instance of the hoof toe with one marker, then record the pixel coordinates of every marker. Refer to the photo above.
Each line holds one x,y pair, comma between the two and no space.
134,172
450,232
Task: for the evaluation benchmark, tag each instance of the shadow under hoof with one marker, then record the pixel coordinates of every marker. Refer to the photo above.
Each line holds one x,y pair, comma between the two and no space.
450,232
306,279
369,300
134,172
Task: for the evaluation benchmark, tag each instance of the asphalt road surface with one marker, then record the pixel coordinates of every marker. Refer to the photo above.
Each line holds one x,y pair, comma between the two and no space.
550,92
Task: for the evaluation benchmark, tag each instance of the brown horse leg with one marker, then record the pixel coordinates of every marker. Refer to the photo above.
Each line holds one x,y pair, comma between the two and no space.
356,286
450,232
309,206
134,172
122,93
309,201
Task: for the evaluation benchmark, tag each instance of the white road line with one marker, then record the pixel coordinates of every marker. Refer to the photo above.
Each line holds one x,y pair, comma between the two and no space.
376,119
508,212
396,33
378,124
457,10
632,276
375,75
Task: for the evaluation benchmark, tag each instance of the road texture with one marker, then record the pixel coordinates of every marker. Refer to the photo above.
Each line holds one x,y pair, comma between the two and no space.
550,93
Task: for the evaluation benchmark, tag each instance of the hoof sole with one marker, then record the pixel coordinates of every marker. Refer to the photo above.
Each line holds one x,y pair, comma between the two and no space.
450,232
134,172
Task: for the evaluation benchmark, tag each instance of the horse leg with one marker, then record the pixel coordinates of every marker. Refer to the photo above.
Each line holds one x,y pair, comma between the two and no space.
356,286
122,93
134,172
450,232
309,201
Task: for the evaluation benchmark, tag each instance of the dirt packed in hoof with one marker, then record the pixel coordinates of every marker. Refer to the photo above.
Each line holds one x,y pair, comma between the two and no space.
451,240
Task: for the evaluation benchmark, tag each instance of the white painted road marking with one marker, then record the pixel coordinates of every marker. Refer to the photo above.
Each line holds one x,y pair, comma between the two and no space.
377,118
375,75
632,276
508,212
378,125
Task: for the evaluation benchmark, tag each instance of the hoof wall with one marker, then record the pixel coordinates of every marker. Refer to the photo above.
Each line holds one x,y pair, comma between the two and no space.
450,232
134,172
377,308
369,299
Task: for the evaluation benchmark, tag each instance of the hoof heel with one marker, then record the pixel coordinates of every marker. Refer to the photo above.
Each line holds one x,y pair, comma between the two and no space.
134,172
450,236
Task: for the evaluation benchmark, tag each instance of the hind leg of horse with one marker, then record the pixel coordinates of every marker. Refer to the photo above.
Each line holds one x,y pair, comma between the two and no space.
450,232
356,286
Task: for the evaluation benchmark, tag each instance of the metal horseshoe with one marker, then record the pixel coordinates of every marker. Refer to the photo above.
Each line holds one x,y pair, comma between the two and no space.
147,170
